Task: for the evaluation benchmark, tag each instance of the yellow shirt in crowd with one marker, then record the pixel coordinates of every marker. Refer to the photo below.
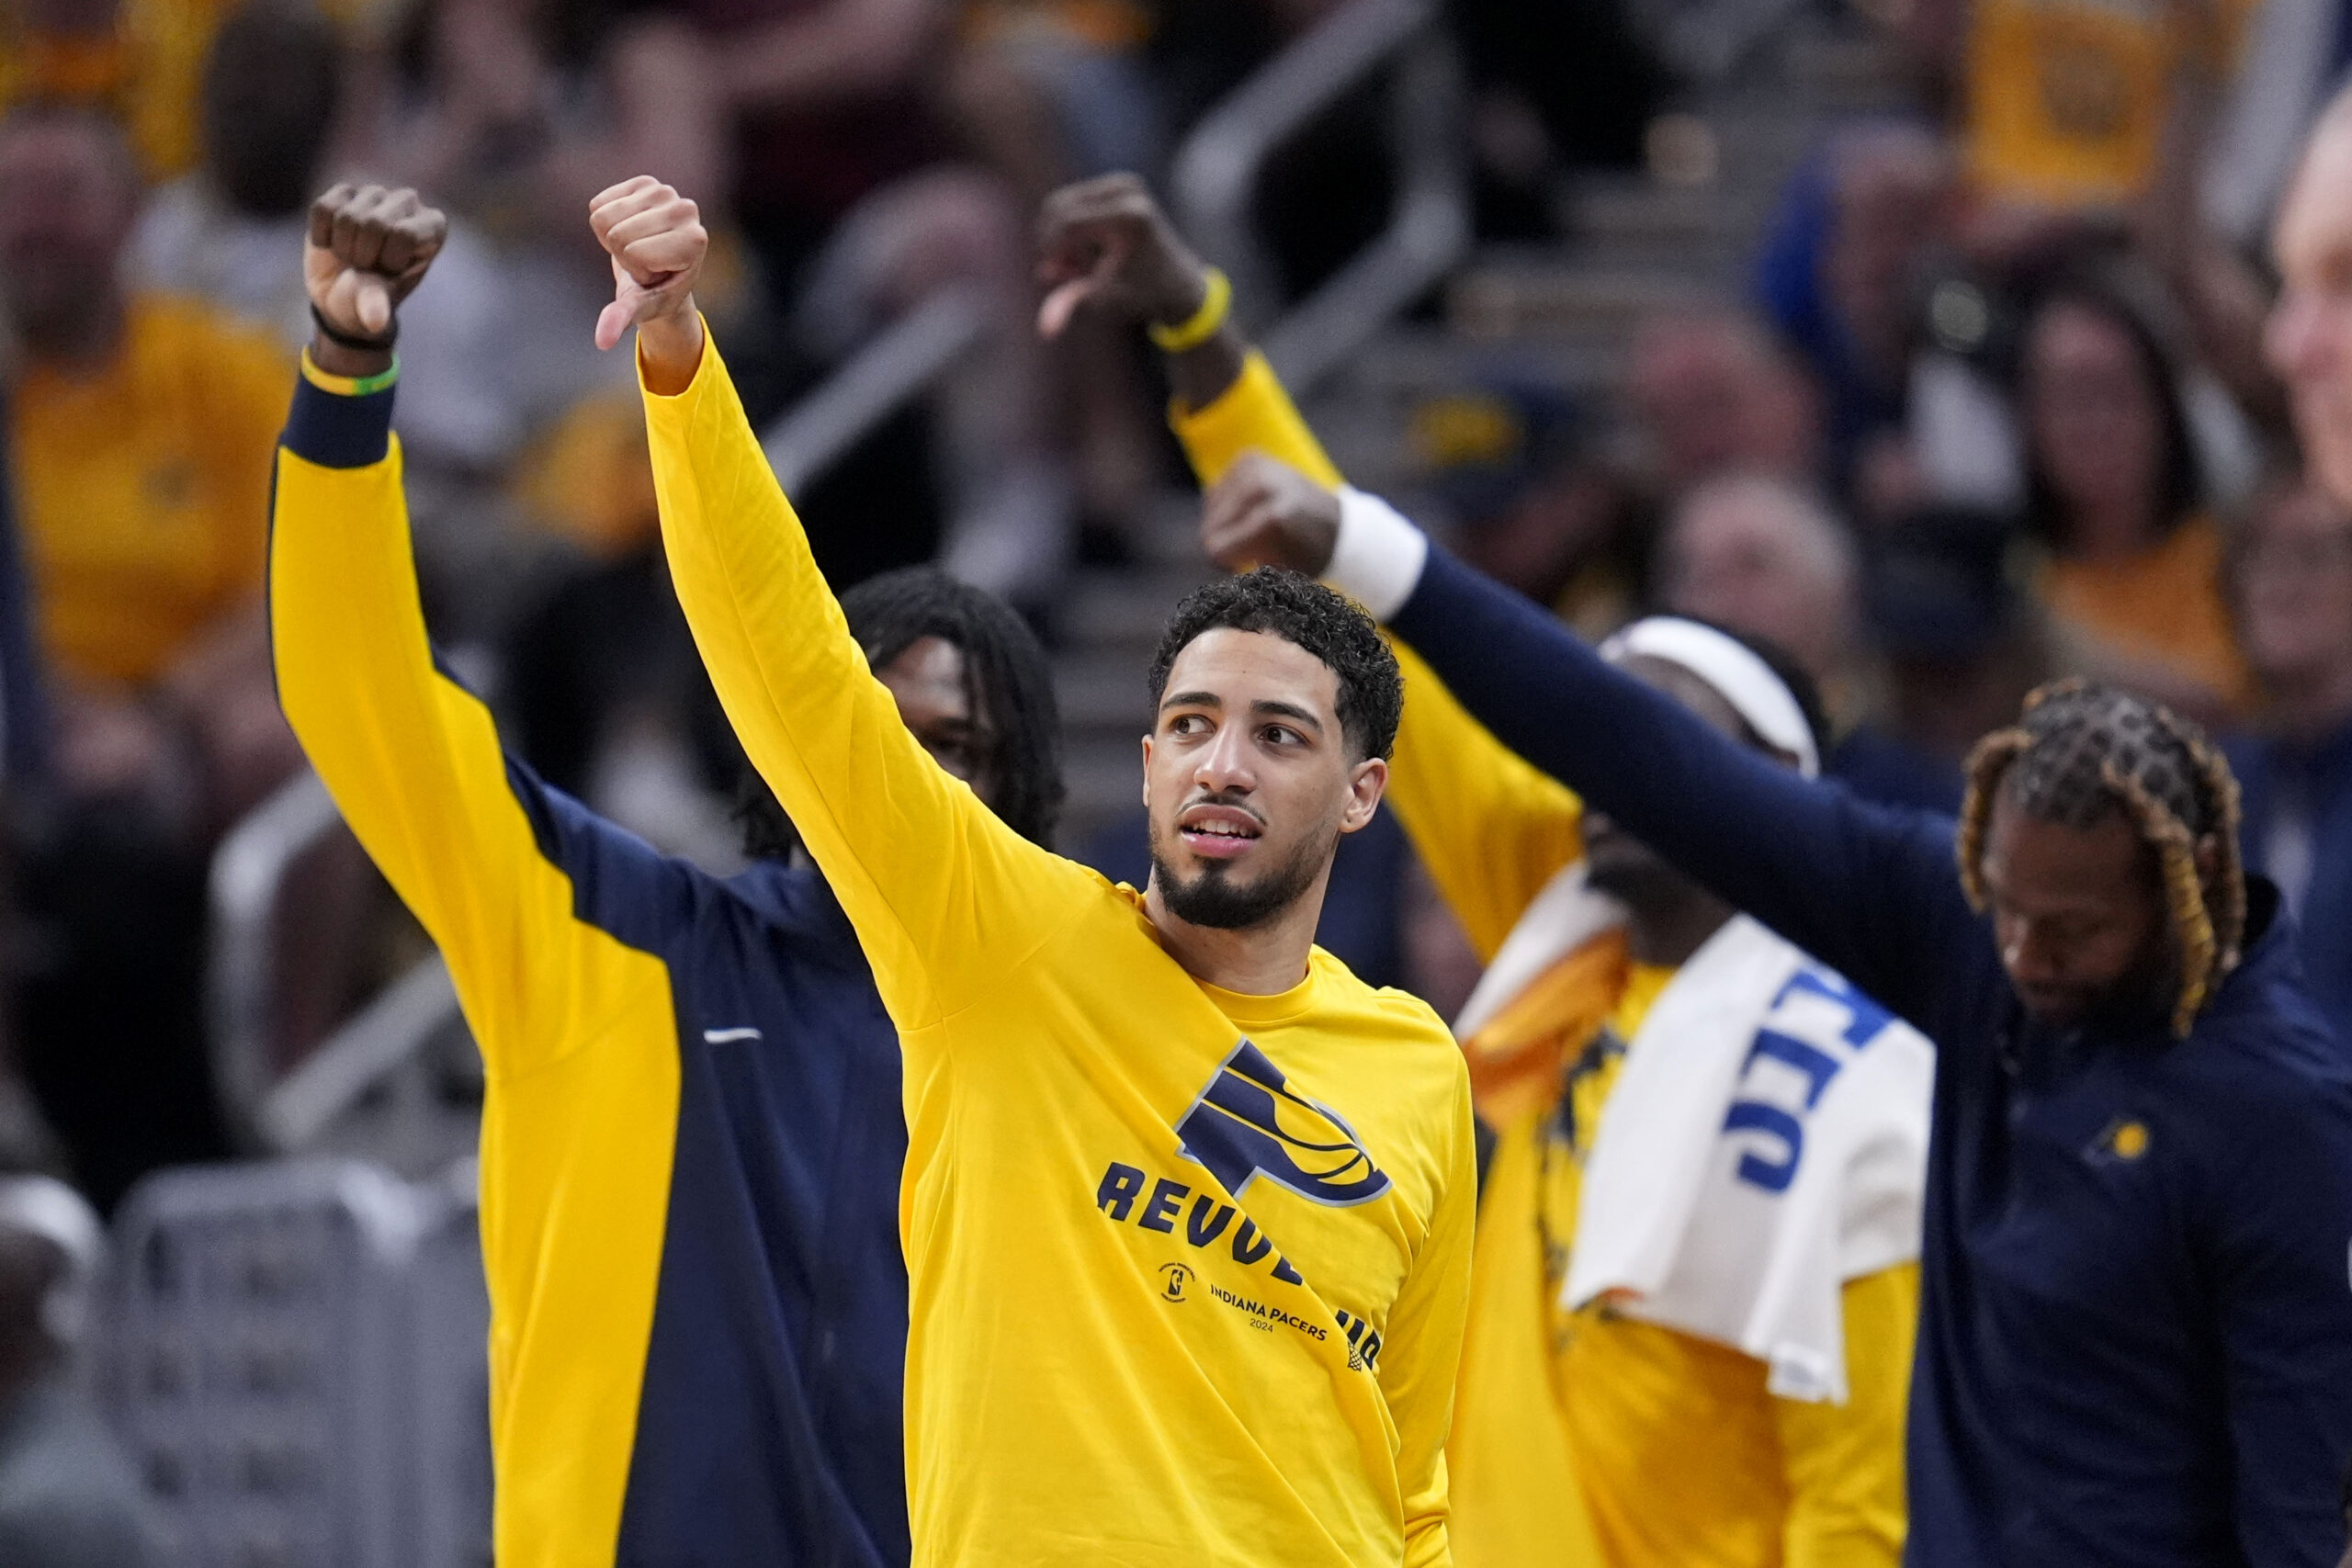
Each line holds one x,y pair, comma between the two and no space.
2068,99
2166,605
142,488
1188,1269
147,71
1589,1439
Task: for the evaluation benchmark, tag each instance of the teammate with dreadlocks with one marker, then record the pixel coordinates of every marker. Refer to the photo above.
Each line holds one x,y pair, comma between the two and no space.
692,1138
2085,757
2135,1340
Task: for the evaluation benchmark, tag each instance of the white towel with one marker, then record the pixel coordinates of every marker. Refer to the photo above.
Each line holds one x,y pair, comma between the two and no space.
1765,1142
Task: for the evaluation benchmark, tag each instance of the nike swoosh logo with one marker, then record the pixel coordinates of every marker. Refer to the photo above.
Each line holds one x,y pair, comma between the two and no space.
721,1036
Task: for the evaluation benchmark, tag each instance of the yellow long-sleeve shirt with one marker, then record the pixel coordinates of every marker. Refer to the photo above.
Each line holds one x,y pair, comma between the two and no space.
1589,1438
579,1029
1141,1331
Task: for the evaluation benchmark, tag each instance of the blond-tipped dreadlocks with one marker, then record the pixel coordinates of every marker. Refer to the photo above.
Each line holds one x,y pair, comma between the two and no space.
2080,750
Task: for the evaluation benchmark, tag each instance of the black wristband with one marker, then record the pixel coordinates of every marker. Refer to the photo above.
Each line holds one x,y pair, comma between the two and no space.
342,339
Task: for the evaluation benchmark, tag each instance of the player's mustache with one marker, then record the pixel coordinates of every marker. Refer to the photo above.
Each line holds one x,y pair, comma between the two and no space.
1230,799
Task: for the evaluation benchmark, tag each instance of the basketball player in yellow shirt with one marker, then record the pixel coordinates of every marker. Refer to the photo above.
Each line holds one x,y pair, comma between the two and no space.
1187,1207
1563,1416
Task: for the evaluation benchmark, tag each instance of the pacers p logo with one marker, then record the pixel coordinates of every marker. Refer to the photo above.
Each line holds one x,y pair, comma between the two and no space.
1248,1123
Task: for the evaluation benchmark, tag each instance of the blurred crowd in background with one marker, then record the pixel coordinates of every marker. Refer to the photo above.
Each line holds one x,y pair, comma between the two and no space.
1989,402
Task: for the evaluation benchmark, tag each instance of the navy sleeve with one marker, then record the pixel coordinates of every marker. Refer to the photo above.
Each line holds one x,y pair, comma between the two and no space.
1871,891
2285,1241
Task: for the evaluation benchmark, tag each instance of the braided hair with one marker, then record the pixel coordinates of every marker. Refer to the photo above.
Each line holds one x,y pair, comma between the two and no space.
2081,750
1006,678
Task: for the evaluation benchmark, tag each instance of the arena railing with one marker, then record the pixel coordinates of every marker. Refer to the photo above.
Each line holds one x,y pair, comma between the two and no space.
1218,170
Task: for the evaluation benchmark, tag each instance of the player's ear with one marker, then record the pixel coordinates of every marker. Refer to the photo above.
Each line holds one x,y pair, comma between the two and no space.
1367,781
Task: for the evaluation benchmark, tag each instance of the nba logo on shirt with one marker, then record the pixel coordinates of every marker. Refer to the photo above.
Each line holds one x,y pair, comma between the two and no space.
1248,1123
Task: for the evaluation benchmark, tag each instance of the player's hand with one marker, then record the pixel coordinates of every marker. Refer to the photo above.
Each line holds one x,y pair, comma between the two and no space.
1265,512
366,250
1103,244
658,243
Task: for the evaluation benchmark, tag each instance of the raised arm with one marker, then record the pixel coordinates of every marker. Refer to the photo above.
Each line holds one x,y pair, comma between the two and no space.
410,757
1866,889
946,898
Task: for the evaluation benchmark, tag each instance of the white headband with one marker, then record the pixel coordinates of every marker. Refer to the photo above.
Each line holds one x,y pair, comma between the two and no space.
1738,676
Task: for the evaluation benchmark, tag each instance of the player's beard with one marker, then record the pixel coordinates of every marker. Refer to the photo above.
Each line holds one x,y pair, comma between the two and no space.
1214,899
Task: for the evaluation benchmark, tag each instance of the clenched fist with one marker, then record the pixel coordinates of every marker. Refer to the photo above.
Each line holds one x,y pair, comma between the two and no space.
1105,243
366,250
1265,512
658,243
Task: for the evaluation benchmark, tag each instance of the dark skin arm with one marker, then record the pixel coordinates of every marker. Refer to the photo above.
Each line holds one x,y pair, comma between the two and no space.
1104,245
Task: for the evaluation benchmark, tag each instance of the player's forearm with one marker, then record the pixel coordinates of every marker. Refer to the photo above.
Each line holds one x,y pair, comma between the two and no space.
670,351
1243,407
1862,888
1199,375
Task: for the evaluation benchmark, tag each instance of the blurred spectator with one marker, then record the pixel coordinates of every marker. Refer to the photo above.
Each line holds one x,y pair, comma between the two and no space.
1053,91
1712,393
68,1495
1048,92
1960,646
845,188
140,430
2292,573
231,232
516,115
1769,559
1761,555
135,60
1554,88
1843,266
2115,489
1508,468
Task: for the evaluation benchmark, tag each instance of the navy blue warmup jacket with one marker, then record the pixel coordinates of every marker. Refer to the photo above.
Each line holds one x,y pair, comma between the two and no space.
692,1135
2135,1344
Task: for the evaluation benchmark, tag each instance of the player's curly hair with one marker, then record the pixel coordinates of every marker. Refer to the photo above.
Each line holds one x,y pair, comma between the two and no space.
2080,750
1008,678
1300,610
